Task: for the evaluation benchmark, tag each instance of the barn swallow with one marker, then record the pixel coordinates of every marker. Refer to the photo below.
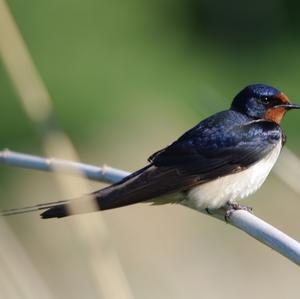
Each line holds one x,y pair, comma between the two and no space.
223,159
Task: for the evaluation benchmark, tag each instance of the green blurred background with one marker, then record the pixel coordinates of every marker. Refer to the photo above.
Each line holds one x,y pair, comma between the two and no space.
126,79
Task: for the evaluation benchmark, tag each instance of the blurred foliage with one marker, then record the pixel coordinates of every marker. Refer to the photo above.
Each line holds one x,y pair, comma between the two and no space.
129,77
126,78
101,58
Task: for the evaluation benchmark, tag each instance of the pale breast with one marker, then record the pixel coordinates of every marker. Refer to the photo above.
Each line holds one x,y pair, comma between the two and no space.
232,187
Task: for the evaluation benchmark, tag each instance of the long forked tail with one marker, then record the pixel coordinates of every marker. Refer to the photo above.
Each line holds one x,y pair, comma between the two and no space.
140,186
58,209
29,209
103,199
114,196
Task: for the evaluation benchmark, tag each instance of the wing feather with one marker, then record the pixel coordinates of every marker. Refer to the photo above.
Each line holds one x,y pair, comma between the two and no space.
187,163
214,148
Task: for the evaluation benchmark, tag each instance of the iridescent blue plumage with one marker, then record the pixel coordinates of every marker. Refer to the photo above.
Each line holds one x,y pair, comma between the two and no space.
219,143
216,154
251,100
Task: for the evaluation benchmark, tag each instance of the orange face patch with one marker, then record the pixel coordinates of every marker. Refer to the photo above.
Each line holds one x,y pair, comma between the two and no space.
283,98
275,114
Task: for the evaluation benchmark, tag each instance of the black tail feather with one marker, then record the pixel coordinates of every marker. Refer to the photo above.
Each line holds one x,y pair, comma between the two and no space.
143,185
55,212
38,207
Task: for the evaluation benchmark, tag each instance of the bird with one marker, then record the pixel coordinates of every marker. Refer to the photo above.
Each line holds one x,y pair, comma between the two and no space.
220,161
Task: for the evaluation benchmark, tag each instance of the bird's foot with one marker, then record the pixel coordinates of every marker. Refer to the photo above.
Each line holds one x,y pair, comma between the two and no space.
232,206
208,211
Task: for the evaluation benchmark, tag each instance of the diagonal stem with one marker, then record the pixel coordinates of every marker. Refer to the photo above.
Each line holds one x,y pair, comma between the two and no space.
245,221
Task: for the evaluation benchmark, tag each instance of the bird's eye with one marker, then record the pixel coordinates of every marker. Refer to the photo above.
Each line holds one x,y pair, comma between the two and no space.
264,100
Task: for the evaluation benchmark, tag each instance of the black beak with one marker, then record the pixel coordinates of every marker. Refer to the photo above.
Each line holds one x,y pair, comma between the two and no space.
289,106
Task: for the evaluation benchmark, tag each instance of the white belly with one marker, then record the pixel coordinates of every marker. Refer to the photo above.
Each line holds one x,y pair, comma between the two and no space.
232,187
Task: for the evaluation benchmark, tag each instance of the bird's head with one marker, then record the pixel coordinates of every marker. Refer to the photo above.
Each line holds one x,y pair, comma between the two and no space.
261,101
